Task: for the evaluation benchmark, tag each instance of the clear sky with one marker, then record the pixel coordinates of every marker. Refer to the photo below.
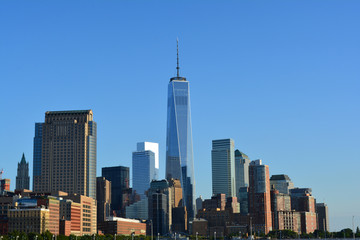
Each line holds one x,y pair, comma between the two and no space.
279,77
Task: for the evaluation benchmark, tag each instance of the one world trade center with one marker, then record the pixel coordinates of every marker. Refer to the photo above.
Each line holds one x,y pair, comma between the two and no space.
179,147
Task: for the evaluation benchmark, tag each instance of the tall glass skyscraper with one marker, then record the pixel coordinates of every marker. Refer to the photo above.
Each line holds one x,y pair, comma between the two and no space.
179,147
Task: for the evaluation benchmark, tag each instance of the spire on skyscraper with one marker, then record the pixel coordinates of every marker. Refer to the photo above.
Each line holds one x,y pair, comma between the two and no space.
177,57
178,78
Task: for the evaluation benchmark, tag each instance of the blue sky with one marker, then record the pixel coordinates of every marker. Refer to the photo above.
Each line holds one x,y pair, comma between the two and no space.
279,77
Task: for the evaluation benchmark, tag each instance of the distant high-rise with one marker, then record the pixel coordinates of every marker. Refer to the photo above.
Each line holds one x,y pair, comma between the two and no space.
67,162
282,183
179,147
103,198
22,178
242,162
145,166
119,177
323,216
259,196
223,167
37,155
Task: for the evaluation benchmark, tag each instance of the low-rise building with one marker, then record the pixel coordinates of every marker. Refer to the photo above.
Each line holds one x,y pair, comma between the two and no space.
122,226
29,220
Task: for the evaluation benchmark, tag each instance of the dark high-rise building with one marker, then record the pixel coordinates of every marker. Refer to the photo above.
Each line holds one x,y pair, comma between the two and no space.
37,154
68,153
179,147
160,211
103,198
22,178
119,178
323,216
259,196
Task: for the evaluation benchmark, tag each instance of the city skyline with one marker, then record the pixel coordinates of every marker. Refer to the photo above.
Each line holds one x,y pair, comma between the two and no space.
279,82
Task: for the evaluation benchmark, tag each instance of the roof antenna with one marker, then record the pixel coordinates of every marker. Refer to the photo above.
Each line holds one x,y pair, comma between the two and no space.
177,54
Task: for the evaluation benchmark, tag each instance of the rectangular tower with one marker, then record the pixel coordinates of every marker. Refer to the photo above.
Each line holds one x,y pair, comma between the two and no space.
144,162
68,153
259,197
37,155
223,167
119,178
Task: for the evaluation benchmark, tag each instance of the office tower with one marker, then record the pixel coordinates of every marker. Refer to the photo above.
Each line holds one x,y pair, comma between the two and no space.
323,216
199,202
242,162
259,196
145,162
282,183
160,211
223,167
22,178
119,178
68,157
103,197
37,155
179,147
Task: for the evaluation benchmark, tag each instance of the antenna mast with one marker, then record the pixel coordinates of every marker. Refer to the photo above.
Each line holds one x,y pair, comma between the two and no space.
177,57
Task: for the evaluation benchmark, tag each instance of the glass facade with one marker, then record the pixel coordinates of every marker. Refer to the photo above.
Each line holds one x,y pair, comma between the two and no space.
119,178
223,167
91,161
144,172
37,151
179,147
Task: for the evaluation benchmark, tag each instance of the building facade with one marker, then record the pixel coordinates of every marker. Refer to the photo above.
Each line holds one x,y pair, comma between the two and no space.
119,178
282,183
179,146
37,155
160,210
68,153
103,197
145,162
223,167
323,216
22,177
259,197
32,220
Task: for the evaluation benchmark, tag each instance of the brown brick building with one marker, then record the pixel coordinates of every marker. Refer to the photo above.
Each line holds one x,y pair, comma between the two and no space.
259,197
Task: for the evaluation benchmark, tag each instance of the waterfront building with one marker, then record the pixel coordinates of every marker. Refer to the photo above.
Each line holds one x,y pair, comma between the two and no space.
22,178
323,216
282,183
119,178
145,167
68,157
223,167
259,197
4,185
179,146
